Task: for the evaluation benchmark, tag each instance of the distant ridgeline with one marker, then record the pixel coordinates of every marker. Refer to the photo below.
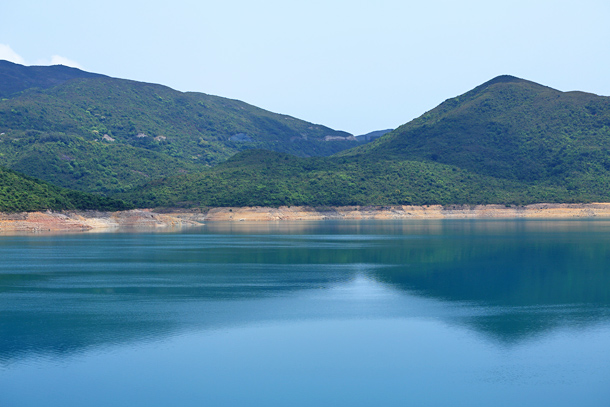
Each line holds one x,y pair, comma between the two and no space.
99,134
508,141
15,78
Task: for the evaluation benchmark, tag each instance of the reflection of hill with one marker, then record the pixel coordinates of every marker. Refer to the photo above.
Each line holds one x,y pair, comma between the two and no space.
65,294
517,269
71,293
546,274
64,320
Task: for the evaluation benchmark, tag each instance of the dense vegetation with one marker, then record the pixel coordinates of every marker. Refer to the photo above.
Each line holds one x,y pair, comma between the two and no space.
509,128
263,178
20,193
507,141
71,161
153,130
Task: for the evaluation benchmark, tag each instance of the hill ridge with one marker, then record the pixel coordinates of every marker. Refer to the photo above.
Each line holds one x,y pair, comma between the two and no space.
507,141
15,78
106,135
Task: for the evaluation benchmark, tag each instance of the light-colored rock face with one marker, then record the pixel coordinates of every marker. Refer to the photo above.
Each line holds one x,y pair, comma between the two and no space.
148,219
90,221
410,212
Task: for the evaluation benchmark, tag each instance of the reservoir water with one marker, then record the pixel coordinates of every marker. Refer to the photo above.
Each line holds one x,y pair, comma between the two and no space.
375,313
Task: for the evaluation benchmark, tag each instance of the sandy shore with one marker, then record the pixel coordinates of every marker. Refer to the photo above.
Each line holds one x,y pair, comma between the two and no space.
148,219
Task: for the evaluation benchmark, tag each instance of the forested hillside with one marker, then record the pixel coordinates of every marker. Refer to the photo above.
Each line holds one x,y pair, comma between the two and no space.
509,128
20,193
101,134
264,178
508,141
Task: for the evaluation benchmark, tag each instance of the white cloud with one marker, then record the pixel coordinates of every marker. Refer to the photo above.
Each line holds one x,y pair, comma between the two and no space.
59,60
7,53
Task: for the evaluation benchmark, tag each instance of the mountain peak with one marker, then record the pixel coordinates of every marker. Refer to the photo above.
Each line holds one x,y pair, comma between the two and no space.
504,79
508,79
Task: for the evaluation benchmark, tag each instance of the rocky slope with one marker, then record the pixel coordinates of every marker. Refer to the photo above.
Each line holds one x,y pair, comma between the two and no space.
75,221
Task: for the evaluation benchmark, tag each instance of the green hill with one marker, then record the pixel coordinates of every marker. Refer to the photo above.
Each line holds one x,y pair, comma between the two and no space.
508,128
507,141
21,193
265,178
101,134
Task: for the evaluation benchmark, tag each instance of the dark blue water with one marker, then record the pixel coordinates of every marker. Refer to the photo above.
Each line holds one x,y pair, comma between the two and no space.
435,313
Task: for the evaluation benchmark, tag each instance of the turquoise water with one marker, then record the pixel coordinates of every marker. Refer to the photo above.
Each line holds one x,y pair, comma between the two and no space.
377,313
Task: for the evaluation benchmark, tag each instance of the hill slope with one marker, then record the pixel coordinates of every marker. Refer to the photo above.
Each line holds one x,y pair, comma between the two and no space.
182,131
508,128
265,178
507,141
20,193
15,78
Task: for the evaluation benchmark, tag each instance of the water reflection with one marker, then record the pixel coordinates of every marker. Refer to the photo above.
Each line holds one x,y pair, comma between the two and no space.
509,280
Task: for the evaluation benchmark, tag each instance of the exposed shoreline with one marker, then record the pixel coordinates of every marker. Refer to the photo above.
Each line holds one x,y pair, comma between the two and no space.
83,221
142,219
540,211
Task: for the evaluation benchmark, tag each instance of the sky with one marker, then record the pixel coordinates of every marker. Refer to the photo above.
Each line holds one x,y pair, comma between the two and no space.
356,66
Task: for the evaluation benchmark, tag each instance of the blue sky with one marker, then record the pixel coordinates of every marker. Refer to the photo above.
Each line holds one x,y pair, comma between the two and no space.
351,65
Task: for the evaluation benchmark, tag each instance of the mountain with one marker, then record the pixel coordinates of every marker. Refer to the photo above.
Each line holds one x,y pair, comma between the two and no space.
508,128
507,141
15,78
20,193
373,135
101,134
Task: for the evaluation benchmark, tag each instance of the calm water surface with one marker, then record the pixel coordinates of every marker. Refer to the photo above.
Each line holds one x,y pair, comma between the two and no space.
434,313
